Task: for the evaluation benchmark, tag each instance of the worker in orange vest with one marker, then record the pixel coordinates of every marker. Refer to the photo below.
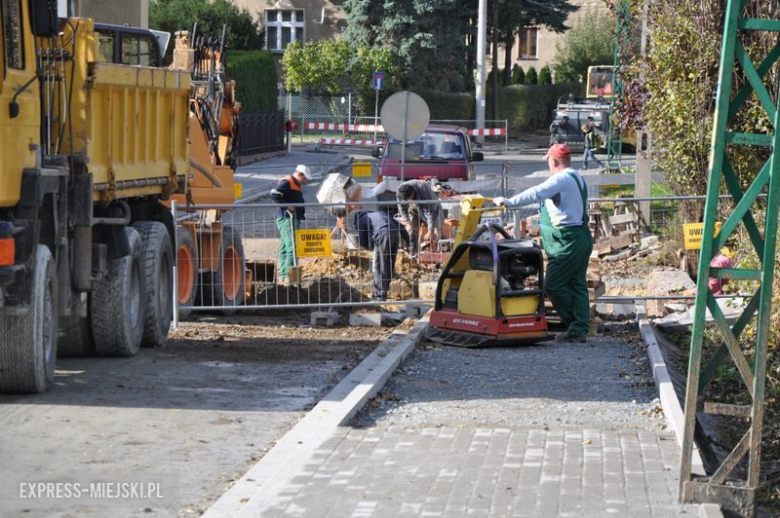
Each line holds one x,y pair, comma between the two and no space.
288,218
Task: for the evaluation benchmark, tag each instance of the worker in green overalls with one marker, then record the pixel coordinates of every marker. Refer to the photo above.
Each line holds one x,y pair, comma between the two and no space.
565,237
289,191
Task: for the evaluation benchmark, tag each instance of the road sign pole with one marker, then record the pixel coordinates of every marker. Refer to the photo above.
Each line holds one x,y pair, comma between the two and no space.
376,113
403,142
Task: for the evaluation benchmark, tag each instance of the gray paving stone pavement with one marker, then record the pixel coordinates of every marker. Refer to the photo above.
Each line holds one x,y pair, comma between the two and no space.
459,454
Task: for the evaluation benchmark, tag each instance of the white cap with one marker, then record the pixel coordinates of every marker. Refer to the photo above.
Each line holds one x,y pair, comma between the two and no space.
304,170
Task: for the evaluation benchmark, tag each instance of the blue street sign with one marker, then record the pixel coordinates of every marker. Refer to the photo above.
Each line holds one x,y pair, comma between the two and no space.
379,81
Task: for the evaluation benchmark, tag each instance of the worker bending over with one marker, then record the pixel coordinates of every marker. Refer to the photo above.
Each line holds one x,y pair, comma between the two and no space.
379,232
420,212
565,237
288,217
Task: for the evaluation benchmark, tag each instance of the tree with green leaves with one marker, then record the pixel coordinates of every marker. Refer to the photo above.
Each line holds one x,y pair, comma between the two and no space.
545,76
335,65
428,38
591,41
319,66
670,92
508,17
244,33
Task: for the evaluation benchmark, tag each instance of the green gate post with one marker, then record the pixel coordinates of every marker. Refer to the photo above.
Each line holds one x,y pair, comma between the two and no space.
723,486
622,45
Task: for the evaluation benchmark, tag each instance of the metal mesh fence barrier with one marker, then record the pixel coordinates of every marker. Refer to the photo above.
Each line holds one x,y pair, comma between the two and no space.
255,256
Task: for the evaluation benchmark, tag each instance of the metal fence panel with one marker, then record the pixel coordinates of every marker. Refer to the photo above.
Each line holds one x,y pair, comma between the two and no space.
261,132
326,280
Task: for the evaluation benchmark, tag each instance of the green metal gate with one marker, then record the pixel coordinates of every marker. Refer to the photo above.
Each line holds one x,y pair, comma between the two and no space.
623,48
735,490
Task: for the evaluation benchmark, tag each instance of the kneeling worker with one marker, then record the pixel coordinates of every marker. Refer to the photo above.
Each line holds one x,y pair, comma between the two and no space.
379,232
565,237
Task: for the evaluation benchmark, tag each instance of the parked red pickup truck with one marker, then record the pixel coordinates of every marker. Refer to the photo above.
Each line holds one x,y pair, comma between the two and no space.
443,152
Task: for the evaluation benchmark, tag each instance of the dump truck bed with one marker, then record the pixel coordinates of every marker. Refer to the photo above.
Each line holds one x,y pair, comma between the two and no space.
130,121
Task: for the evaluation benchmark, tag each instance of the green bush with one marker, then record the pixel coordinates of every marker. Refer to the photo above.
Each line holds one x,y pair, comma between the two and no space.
518,75
455,106
545,76
530,107
500,77
531,77
256,83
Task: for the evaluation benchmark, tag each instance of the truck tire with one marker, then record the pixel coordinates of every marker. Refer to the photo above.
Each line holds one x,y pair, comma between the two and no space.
28,341
187,265
75,337
117,315
157,261
226,286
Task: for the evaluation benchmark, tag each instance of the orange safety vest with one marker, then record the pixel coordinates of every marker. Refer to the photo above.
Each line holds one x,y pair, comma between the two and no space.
293,183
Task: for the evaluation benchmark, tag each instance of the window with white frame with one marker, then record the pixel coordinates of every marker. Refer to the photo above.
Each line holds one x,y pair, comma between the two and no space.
283,27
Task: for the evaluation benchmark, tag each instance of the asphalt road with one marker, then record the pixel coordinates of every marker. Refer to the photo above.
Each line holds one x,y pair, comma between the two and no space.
190,417
263,175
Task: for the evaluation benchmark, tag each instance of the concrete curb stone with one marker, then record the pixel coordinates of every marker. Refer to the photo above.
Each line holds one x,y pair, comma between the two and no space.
669,402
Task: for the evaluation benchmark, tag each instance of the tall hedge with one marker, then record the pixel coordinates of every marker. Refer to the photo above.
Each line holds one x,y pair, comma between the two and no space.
530,107
442,105
450,106
526,107
255,74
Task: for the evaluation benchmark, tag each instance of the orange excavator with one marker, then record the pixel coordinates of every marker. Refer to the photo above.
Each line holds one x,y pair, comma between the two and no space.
210,255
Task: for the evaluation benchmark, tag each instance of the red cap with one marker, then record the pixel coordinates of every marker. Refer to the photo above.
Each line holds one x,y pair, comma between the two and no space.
558,151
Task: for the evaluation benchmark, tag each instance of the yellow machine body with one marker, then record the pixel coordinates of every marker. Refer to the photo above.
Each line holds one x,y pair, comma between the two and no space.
477,297
482,297
19,137
470,215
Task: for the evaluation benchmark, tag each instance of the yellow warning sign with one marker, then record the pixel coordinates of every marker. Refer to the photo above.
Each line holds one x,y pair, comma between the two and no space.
312,243
361,169
692,234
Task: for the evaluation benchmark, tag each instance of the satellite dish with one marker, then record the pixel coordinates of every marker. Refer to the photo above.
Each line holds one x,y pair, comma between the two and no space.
405,115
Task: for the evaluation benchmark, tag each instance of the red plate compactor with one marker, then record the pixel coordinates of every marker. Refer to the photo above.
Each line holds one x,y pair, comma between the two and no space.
491,291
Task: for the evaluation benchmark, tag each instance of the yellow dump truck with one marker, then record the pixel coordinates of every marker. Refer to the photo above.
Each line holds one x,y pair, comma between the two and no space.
210,255
90,149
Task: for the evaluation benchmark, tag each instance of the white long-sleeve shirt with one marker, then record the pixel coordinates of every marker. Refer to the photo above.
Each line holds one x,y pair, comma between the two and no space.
560,194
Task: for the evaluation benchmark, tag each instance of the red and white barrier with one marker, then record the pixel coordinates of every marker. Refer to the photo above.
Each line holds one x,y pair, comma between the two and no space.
350,142
487,132
327,126
343,127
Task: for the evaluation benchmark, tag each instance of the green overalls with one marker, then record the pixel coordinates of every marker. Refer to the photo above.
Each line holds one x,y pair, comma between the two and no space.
568,251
